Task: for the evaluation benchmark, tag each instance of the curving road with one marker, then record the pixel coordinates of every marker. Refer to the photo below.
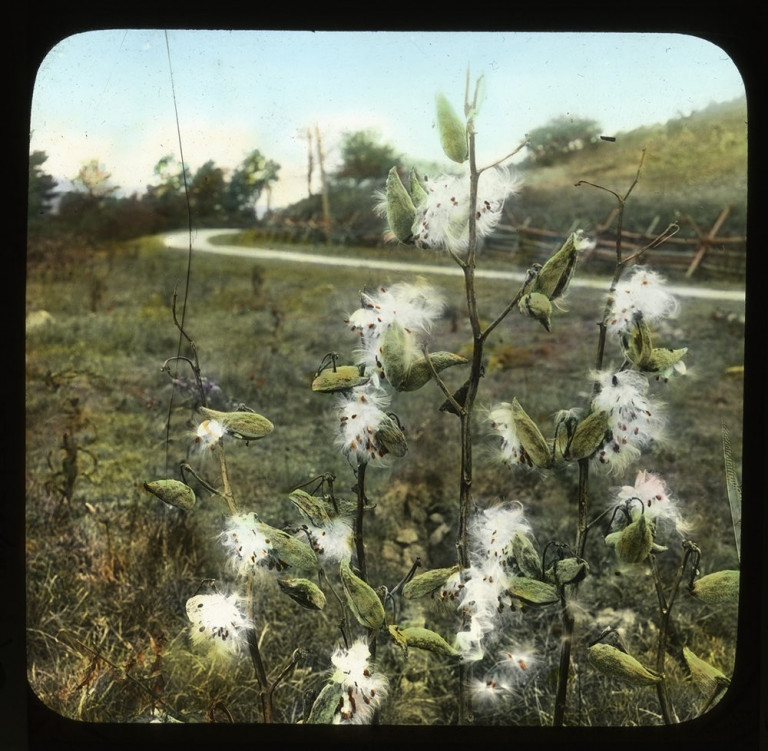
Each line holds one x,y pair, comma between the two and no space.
201,243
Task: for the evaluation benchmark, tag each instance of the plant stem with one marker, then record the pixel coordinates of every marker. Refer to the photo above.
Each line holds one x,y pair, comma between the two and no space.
265,694
359,541
227,491
564,665
667,711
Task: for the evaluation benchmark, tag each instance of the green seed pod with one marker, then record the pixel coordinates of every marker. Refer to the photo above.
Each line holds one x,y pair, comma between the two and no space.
390,437
326,705
419,373
311,507
173,492
242,424
288,552
428,582
614,663
401,213
537,305
398,638
638,344
556,274
588,437
303,591
361,598
719,588
663,359
634,542
532,591
531,438
705,677
424,638
453,131
639,349
528,560
342,378
339,507
418,194
396,355
568,571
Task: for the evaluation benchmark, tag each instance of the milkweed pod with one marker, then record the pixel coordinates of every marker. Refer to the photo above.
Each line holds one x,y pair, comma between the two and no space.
401,213
418,194
326,705
453,131
532,591
704,676
570,570
419,373
428,582
424,638
663,359
526,556
311,507
537,305
397,637
390,437
396,349
589,436
634,542
342,378
287,551
304,592
556,274
637,343
361,598
614,663
718,588
530,437
173,492
243,424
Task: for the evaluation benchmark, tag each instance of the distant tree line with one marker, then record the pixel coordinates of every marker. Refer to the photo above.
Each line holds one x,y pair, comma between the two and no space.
91,209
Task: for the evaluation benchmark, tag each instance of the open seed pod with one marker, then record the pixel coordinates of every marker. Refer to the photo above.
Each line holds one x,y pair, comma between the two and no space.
428,582
243,424
304,592
422,638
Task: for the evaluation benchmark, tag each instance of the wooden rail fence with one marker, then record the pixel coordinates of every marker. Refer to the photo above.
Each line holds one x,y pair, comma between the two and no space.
696,249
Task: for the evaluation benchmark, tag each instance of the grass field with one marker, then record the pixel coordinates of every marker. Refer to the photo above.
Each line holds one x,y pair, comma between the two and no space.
109,567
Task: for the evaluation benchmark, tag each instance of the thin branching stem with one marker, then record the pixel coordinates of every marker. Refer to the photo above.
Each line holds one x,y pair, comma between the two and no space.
359,537
265,695
667,711
564,664
227,490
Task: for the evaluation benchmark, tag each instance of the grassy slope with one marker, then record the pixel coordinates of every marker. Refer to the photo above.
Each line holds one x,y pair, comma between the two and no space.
693,166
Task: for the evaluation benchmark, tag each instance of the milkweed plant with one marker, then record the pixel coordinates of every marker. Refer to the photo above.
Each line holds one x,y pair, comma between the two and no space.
503,574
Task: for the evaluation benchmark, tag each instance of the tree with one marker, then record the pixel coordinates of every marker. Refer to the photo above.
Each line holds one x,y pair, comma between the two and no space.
95,180
41,189
167,199
206,193
560,137
364,157
251,178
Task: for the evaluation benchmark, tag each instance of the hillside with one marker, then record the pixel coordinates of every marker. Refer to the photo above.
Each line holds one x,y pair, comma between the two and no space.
693,166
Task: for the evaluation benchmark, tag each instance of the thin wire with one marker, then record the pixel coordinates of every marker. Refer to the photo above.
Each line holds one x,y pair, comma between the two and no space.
189,252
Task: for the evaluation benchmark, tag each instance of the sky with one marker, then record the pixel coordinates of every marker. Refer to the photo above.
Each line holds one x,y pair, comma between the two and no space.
115,95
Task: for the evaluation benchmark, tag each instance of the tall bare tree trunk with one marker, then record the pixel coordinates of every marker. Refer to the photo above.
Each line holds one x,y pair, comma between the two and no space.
324,186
